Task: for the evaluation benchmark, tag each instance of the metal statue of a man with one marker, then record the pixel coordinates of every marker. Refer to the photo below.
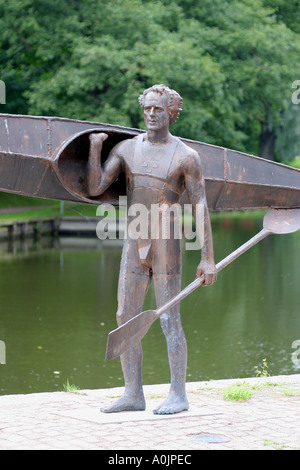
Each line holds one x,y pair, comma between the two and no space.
158,169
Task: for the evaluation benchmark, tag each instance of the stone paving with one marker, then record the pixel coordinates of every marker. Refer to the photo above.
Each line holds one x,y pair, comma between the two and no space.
269,419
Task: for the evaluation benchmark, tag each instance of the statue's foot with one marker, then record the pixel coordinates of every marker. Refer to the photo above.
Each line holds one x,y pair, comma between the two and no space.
172,404
126,403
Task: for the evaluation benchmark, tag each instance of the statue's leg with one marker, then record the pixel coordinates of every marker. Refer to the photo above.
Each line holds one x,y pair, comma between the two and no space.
166,287
131,295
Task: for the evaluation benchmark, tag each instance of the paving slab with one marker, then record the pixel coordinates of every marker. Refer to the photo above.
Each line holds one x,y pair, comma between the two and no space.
268,420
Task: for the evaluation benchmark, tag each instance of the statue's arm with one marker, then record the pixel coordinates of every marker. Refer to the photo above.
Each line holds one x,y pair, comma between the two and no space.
99,177
195,187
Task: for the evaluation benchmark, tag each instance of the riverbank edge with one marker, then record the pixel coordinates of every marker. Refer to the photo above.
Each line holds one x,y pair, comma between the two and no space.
208,385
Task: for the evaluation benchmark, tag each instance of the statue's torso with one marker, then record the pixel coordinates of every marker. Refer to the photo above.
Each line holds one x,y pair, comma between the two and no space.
153,174
154,179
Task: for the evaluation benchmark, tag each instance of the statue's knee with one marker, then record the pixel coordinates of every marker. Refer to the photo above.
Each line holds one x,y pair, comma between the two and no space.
122,316
171,325
119,316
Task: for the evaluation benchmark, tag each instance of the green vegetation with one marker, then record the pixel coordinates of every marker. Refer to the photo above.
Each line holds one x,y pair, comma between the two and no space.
276,445
13,206
233,62
288,392
14,200
238,392
244,391
70,388
262,370
295,162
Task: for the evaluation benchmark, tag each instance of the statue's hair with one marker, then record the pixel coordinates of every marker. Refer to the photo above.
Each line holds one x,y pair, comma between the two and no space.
174,100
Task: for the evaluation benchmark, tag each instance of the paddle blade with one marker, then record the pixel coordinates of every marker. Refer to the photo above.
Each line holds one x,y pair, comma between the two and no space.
129,335
282,221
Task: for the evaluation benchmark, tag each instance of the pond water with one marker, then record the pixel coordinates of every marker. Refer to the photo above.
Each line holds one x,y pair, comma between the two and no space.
58,304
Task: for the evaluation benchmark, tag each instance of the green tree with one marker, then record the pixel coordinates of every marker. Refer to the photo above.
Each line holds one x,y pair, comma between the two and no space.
286,12
259,56
232,61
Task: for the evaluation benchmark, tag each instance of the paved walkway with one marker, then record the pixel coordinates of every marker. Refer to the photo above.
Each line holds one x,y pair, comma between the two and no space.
268,420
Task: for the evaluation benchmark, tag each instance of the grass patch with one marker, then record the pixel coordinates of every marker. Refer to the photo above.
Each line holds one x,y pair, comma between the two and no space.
79,210
70,388
238,392
295,163
8,200
30,215
235,215
276,445
291,393
27,208
201,390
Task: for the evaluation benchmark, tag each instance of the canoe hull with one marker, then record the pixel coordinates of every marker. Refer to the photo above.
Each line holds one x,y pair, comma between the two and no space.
47,157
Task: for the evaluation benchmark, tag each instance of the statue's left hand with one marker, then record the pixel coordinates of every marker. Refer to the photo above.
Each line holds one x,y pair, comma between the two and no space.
208,270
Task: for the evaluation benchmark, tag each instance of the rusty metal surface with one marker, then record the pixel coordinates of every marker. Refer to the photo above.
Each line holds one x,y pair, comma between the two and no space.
47,157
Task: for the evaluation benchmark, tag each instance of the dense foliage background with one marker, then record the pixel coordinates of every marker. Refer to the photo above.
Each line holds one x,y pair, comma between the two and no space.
233,62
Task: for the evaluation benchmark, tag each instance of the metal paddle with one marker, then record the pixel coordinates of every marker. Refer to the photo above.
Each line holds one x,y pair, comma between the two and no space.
276,221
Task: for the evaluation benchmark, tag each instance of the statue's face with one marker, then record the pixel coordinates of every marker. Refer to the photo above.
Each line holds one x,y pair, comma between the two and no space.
156,113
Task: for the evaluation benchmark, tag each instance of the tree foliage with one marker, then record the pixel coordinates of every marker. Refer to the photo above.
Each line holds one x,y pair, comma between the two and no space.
233,62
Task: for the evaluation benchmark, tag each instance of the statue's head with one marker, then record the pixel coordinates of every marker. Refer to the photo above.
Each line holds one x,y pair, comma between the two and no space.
173,100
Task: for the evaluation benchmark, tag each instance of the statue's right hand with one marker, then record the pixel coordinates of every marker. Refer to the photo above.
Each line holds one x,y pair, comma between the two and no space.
97,137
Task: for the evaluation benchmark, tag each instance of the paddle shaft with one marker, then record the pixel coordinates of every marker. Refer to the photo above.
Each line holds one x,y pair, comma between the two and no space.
221,265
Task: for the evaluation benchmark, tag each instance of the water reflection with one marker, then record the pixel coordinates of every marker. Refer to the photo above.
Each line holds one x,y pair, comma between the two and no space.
58,303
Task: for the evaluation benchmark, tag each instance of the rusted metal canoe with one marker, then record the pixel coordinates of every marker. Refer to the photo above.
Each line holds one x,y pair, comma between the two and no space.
47,157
